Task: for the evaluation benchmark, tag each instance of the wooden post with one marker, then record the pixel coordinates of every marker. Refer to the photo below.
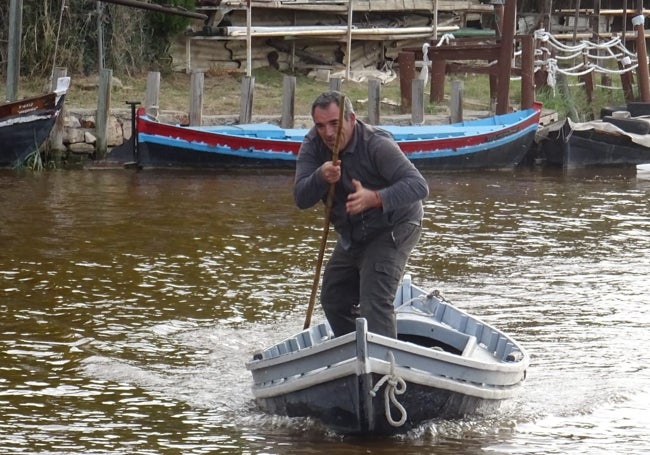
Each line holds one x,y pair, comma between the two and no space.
336,83
642,55
13,51
56,136
588,81
374,101
527,71
438,72
249,40
246,104
627,80
288,101
498,15
152,94
348,46
406,62
493,82
456,101
103,110
417,98
197,79
505,57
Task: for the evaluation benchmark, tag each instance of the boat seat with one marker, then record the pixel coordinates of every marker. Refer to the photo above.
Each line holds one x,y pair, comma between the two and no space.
421,333
262,130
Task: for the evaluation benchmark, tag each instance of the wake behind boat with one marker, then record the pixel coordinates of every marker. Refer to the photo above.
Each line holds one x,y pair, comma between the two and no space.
496,142
26,124
444,364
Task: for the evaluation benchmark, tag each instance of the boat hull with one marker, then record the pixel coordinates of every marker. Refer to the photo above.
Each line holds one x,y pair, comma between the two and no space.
572,148
444,364
499,155
24,130
340,405
498,142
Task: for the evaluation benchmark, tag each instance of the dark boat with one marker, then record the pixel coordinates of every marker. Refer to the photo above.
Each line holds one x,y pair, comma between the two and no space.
496,142
444,364
618,139
26,124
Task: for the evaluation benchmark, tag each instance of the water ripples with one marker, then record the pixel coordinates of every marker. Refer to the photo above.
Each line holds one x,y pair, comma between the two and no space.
131,302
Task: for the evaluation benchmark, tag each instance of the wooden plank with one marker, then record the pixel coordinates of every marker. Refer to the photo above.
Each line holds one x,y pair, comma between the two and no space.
337,5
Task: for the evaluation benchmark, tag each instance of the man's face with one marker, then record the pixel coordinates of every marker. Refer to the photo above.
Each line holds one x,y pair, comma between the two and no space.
327,122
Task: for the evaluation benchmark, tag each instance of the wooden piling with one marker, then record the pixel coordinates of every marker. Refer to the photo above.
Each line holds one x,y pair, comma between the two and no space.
103,109
374,101
417,98
197,79
152,94
642,55
246,104
505,57
336,83
56,136
456,101
288,101
406,75
527,71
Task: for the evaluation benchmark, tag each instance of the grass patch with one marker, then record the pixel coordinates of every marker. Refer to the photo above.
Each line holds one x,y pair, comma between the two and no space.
222,94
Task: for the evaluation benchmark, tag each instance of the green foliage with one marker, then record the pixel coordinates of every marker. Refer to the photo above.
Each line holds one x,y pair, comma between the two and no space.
570,100
68,33
162,28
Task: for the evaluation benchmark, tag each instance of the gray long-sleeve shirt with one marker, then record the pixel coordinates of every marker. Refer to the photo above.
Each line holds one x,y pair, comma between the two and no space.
373,158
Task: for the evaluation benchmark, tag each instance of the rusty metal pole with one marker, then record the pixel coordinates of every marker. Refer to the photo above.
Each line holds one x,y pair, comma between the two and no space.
505,57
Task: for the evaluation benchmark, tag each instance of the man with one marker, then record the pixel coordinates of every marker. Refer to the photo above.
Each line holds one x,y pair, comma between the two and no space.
376,211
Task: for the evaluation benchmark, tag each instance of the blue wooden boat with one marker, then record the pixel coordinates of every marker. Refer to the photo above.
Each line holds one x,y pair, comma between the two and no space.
496,142
445,363
27,123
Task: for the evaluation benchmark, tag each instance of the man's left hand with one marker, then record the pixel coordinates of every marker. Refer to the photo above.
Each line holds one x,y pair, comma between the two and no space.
361,199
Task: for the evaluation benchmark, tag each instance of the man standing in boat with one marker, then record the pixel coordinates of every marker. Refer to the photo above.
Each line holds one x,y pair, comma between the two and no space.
376,210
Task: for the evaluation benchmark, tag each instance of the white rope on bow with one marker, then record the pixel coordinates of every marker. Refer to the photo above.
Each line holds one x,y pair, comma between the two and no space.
394,386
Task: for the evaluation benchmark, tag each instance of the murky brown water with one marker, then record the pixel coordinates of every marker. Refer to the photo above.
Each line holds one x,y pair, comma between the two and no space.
129,303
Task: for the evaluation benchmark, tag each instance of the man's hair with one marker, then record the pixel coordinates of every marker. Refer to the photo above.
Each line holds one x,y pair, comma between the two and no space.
333,96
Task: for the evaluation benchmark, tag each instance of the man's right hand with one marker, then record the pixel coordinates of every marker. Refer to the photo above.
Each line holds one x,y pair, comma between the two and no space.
331,171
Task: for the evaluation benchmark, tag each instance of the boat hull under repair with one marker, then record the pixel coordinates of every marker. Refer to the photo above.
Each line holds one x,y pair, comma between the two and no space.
364,383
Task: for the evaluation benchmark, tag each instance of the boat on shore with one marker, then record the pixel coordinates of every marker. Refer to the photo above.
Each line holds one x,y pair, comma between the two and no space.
26,124
444,363
495,142
618,139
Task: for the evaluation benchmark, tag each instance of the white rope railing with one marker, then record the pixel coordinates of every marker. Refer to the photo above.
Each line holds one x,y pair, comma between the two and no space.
554,52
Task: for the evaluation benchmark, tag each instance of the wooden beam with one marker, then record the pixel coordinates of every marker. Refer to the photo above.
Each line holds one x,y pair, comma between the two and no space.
505,57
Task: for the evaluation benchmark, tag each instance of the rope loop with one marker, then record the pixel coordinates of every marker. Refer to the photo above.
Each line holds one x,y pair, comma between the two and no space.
394,386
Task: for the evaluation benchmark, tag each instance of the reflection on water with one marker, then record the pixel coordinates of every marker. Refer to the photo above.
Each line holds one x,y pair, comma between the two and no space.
131,301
